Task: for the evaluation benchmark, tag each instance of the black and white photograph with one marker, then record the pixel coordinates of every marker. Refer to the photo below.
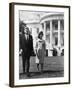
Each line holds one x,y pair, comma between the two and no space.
41,44
41,36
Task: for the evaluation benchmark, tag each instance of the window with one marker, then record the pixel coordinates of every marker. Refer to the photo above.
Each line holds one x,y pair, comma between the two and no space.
30,30
48,25
62,39
48,38
37,30
43,25
56,41
61,24
55,24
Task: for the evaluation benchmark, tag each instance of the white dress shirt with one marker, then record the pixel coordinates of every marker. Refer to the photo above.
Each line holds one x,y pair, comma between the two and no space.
26,36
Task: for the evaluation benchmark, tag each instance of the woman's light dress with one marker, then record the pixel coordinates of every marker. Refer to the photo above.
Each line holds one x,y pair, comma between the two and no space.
40,51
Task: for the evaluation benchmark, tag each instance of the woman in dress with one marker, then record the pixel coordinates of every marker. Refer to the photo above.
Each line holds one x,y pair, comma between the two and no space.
40,51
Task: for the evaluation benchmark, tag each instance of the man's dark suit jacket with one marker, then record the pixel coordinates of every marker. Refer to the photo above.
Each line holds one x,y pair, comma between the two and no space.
26,45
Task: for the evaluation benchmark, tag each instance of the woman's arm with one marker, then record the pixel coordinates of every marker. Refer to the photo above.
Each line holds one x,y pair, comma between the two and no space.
36,47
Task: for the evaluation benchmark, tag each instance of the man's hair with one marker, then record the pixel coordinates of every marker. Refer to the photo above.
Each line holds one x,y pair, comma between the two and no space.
26,28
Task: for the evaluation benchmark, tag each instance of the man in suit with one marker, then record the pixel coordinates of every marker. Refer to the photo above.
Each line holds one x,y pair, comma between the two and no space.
26,48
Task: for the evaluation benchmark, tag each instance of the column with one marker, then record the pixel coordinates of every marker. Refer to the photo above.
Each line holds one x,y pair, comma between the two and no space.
44,31
51,33
59,44
50,48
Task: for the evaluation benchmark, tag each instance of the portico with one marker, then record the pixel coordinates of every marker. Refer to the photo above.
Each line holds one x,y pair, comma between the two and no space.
53,28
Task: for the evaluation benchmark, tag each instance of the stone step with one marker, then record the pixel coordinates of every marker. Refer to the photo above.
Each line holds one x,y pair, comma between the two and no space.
50,63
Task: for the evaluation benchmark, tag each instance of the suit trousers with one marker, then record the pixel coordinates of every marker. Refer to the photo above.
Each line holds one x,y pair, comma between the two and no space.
26,63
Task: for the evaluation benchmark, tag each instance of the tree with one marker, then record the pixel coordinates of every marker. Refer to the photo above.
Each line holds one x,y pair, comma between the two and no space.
21,26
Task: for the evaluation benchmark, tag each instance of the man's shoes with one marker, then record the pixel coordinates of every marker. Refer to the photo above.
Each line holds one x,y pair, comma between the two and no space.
28,75
41,72
24,73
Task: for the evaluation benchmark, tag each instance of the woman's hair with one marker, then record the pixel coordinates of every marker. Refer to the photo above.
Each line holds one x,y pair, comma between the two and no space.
40,34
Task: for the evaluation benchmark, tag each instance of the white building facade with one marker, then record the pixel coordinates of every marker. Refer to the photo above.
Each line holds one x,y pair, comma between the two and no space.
53,28
52,25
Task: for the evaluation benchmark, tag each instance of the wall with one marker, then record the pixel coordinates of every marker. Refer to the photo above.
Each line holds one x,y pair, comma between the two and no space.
4,44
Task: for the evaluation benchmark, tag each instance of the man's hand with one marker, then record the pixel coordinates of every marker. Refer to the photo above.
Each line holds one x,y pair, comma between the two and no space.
33,53
20,52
